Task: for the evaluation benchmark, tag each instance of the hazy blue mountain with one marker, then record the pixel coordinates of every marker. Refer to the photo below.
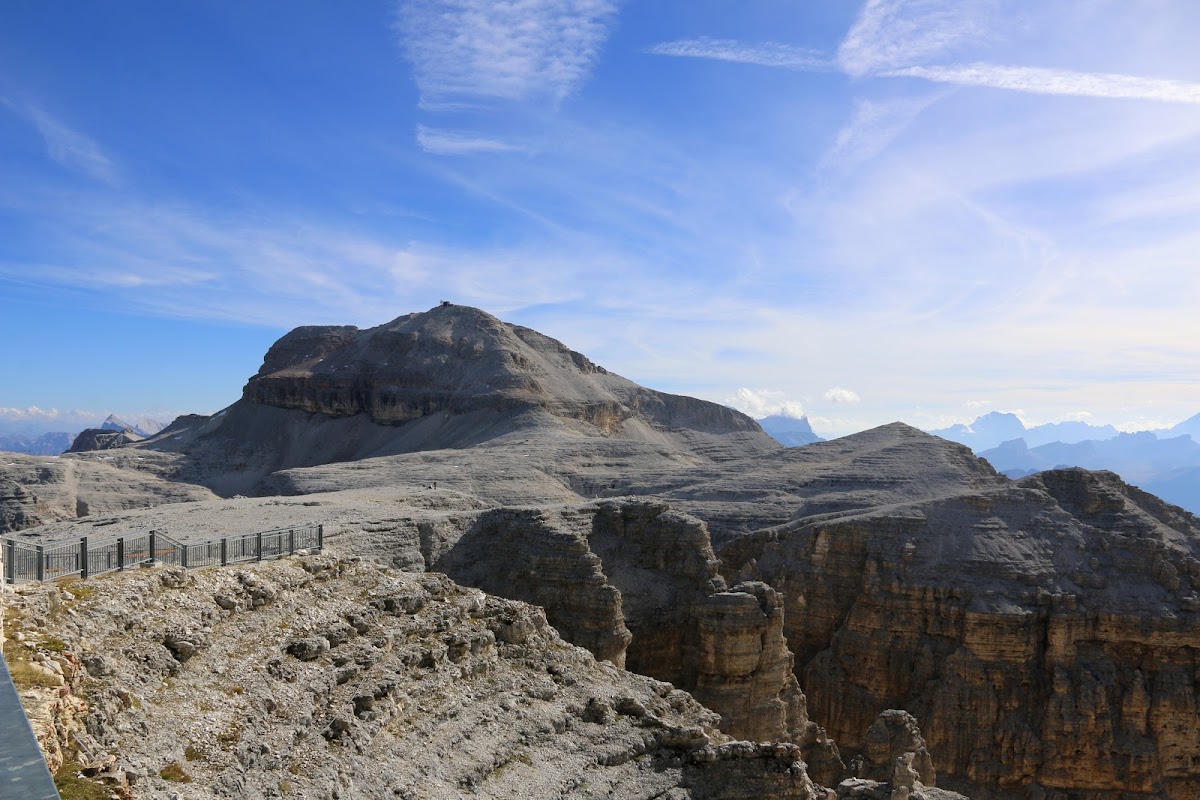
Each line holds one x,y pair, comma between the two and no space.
789,431
1180,486
1169,468
991,430
1068,432
1190,426
985,432
47,444
144,428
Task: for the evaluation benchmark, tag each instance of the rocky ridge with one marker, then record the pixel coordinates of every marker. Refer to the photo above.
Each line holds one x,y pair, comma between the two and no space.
322,677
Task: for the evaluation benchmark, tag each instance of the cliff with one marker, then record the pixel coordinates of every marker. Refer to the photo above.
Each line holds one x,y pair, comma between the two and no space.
1045,634
35,490
637,585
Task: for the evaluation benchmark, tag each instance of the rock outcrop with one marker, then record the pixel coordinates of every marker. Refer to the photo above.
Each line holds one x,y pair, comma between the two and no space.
323,678
102,439
637,584
18,506
1045,634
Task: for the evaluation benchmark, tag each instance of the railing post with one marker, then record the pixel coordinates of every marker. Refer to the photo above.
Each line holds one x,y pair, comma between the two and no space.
10,561
258,539
224,551
291,540
320,537
183,556
41,563
153,550
120,554
83,557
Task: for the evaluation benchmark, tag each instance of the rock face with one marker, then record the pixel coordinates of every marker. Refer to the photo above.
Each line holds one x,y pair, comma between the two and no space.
103,439
36,489
1046,634
324,678
636,583
18,506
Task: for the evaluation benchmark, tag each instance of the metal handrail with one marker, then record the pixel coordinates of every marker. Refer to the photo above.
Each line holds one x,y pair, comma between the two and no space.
85,557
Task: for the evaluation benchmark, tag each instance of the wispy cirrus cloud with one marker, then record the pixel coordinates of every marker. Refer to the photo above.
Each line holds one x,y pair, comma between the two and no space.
899,38
446,142
1039,80
889,34
67,146
872,128
769,54
507,50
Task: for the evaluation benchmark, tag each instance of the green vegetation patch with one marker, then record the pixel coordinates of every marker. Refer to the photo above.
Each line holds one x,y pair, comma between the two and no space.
174,772
73,786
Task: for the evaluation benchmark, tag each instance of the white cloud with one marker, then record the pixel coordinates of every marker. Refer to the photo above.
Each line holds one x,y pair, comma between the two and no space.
769,54
1037,80
977,403
442,141
842,396
67,146
35,420
872,128
36,413
898,33
518,50
759,403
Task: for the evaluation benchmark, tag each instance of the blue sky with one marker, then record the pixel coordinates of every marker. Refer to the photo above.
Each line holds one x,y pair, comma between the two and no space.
864,211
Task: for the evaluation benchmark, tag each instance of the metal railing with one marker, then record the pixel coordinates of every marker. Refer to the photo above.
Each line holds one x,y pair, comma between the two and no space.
24,561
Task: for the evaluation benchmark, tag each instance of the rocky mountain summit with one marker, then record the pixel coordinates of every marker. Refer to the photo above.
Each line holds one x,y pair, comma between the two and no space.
449,378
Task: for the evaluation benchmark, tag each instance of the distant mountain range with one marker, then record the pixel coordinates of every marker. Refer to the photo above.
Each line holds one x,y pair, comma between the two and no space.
1164,462
54,442
789,431
47,444
992,430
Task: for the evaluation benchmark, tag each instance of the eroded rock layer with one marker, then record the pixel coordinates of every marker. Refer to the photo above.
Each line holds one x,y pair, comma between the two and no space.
1046,634
637,584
